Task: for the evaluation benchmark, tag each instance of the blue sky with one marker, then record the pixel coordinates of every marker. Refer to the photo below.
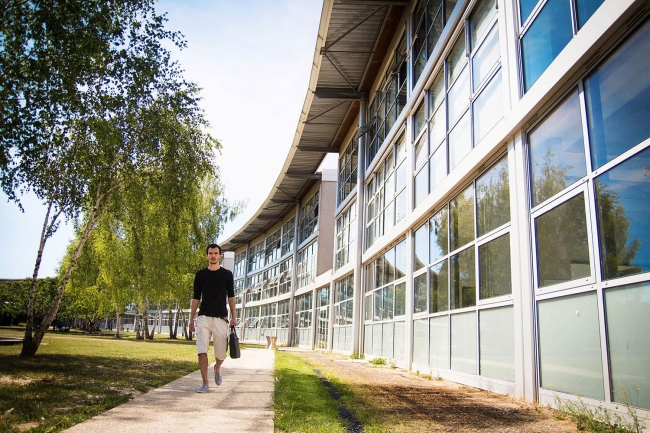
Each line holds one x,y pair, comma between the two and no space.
253,59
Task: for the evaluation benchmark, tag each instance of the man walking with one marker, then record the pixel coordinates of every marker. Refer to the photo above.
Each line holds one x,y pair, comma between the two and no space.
212,286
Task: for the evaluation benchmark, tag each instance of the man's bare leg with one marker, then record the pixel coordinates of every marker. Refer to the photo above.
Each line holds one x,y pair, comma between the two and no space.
217,365
203,366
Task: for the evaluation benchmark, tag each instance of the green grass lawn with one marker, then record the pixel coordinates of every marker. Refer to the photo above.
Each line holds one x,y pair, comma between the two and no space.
301,401
73,377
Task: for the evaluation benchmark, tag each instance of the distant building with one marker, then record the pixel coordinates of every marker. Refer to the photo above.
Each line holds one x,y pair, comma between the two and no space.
488,221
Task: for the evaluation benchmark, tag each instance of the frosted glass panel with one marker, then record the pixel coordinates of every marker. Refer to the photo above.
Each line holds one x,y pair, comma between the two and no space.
387,341
376,339
367,342
400,339
421,341
628,322
463,342
569,344
497,343
439,342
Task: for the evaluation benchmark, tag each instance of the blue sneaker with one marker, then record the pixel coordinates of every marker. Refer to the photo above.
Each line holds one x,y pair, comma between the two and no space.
204,388
218,378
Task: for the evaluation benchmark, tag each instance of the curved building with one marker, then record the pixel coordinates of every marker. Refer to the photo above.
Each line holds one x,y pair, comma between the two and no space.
486,220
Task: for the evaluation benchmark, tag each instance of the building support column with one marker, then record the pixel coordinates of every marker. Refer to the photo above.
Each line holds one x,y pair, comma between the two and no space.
294,279
357,310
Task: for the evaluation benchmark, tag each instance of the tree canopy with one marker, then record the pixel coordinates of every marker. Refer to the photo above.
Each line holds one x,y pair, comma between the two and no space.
91,107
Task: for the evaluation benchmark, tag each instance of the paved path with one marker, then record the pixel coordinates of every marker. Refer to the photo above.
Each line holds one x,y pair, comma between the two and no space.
241,404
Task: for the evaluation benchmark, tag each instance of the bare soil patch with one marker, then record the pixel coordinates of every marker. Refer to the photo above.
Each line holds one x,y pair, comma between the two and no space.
404,402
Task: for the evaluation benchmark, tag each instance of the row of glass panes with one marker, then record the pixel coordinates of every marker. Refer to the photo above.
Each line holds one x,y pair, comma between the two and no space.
388,102
447,242
576,178
571,351
385,339
480,343
267,251
547,26
383,299
346,235
465,102
386,193
348,166
429,19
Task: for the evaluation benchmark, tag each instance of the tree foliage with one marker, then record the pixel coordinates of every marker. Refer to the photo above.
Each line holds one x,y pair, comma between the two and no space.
90,104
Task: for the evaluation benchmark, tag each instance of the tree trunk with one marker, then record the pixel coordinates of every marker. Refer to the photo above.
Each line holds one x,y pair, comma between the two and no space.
170,320
137,325
117,323
31,342
148,336
159,318
31,345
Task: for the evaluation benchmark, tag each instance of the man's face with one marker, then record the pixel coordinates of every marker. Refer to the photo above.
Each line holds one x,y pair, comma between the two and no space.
214,256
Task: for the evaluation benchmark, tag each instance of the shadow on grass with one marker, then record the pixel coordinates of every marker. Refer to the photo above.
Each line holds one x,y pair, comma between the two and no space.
57,391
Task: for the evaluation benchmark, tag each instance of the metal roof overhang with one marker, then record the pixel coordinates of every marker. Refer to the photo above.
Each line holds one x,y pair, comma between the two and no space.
353,38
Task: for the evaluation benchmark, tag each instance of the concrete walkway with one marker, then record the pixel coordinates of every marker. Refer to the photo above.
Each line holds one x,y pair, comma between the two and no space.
241,404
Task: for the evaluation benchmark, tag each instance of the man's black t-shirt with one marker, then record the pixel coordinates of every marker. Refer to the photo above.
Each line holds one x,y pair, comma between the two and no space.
213,288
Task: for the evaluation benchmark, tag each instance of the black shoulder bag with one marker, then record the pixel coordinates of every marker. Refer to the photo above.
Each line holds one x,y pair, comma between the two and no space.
233,344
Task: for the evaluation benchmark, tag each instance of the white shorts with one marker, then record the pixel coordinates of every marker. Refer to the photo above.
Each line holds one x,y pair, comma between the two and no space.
207,327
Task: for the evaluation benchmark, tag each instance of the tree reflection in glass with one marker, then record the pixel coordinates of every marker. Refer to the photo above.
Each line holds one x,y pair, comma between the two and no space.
623,203
493,198
461,218
438,287
494,268
438,235
557,151
463,279
562,244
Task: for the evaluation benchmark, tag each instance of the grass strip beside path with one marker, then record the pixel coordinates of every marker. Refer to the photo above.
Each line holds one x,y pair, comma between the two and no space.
301,402
74,377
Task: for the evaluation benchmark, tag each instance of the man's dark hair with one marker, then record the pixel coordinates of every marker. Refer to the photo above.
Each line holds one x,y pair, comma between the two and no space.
213,246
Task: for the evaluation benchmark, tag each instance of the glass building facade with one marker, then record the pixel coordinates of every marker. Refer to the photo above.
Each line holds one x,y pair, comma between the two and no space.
488,220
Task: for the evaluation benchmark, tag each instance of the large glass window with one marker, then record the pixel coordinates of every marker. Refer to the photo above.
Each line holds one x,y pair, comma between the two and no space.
557,150
623,207
494,278
303,319
618,100
493,198
562,243
548,31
